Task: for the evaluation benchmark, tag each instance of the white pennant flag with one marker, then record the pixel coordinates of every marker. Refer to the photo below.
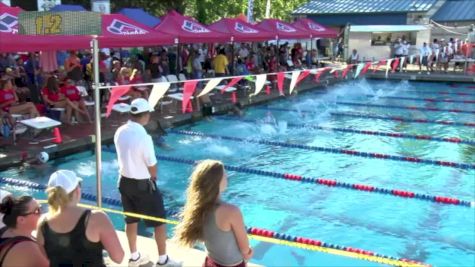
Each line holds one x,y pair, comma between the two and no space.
401,63
411,59
158,90
358,69
260,81
388,66
293,82
210,86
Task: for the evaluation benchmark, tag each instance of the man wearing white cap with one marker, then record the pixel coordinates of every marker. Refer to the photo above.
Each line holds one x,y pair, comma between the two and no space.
137,182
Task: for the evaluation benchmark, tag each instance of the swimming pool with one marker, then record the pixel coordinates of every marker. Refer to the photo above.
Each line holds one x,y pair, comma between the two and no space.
315,135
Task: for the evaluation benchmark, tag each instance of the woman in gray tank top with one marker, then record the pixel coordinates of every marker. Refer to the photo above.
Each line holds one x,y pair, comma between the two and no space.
208,219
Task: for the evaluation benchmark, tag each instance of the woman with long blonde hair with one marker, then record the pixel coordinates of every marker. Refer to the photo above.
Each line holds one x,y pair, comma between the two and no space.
208,219
72,235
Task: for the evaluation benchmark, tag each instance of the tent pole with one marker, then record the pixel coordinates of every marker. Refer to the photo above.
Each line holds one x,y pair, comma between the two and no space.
97,100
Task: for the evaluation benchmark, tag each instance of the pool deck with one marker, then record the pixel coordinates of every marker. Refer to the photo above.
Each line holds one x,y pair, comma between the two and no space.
189,256
81,137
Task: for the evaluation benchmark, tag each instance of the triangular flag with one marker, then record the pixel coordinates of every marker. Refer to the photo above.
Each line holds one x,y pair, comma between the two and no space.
366,67
158,91
210,86
303,75
231,83
293,81
411,59
358,69
346,70
116,93
380,63
267,90
320,72
388,66
260,81
334,72
188,90
402,61
280,82
395,64
249,78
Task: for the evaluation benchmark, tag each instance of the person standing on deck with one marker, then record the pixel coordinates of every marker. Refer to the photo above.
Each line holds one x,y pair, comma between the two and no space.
137,182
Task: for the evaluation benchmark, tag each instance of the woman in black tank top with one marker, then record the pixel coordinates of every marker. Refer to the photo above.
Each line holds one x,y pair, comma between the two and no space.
17,246
71,235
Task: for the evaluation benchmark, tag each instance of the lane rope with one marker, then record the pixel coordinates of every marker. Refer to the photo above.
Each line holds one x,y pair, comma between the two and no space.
332,150
425,99
259,234
455,140
424,91
369,116
405,107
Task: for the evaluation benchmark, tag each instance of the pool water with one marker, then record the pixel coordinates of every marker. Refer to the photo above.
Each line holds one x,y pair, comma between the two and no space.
441,235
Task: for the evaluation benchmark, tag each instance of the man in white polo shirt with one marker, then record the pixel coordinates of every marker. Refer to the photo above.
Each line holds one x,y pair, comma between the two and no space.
137,184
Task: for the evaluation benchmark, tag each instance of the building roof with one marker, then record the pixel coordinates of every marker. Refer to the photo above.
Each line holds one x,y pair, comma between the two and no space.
364,6
456,10
387,28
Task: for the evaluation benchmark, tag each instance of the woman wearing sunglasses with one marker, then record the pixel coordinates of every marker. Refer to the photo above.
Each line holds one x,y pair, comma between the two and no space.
72,235
17,246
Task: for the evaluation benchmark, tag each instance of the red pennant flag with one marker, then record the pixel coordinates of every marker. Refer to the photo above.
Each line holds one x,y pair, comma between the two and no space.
395,64
346,70
319,73
380,63
230,84
366,68
335,74
280,82
116,93
303,75
188,90
267,90
233,97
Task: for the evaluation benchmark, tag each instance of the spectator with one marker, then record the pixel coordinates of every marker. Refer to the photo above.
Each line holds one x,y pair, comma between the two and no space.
73,66
71,235
243,51
71,92
354,57
208,219
17,246
197,66
220,64
9,101
425,53
53,97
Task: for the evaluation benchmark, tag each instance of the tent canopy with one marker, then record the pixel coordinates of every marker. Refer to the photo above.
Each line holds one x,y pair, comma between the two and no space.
387,28
316,30
58,8
139,15
283,30
241,31
188,30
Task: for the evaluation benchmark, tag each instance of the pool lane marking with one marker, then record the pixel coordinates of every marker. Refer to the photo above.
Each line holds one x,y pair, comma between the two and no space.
260,234
424,91
455,140
370,116
424,99
404,107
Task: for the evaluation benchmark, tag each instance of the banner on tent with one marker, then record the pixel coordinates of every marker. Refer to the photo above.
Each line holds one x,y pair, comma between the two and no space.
59,23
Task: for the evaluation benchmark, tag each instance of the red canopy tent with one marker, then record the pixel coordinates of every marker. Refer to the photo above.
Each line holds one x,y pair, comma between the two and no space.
241,31
120,31
188,30
316,30
283,30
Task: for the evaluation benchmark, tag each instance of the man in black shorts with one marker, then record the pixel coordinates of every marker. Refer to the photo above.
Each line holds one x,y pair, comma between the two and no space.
137,183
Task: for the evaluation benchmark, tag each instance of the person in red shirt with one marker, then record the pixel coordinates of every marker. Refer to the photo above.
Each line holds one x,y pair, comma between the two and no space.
71,92
9,101
54,98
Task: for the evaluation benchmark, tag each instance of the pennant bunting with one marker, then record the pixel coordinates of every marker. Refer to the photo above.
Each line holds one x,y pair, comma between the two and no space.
210,86
401,65
380,63
267,89
395,64
230,84
411,59
358,69
280,82
293,81
346,70
335,73
158,91
188,90
303,75
233,97
319,73
366,67
260,81
116,93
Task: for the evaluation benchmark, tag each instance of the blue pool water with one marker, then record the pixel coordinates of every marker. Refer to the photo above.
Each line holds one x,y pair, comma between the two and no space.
441,235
